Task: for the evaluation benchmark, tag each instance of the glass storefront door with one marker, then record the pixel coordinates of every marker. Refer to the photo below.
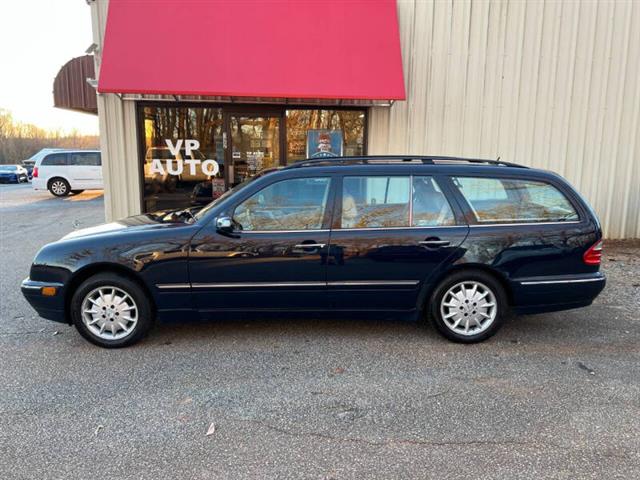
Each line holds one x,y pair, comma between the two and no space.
253,145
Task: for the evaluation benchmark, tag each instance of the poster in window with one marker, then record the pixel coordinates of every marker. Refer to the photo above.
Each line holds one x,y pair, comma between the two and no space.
324,143
217,187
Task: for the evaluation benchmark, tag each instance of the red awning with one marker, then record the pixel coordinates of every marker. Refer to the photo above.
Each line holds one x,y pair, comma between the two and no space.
320,49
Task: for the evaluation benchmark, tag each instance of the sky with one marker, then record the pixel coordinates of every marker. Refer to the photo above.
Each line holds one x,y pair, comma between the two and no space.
37,37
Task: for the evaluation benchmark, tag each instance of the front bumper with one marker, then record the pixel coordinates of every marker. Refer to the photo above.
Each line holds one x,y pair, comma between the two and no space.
49,307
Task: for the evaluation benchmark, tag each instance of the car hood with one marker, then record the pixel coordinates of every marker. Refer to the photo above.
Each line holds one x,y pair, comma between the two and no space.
149,221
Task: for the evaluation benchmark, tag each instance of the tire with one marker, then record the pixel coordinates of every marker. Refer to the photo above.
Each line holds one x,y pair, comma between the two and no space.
59,187
107,325
446,309
76,192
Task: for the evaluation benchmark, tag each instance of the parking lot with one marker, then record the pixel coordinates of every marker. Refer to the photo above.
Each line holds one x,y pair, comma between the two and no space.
550,396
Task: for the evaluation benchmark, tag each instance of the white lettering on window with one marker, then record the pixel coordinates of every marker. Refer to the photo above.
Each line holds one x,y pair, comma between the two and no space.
192,165
156,166
210,167
174,171
175,150
191,144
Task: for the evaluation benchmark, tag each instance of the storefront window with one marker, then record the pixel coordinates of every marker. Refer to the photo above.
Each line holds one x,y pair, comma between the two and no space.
190,155
183,161
313,133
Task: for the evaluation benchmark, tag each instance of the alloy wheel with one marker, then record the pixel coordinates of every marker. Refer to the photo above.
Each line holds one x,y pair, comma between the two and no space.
58,187
109,313
468,308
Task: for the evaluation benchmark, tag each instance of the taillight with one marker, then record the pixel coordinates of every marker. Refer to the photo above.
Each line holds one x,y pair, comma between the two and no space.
593,255
34,174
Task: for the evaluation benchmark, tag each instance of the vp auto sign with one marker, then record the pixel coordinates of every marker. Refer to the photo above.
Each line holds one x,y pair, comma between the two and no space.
176,166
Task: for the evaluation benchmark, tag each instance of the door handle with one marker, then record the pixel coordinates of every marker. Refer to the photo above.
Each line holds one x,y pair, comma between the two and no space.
310,245
434,243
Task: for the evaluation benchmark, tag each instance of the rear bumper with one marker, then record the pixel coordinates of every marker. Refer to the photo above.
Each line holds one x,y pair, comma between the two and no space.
38,184
49,307
558,292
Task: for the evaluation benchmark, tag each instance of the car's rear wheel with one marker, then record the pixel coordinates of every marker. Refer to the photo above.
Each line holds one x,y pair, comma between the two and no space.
59,187
468,306
111,310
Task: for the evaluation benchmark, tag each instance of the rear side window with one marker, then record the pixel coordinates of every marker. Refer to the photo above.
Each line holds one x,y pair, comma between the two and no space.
55,159
87,159
505,200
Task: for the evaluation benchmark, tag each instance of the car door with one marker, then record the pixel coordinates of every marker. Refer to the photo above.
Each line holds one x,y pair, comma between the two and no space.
77,173
84,169
391,234
275,255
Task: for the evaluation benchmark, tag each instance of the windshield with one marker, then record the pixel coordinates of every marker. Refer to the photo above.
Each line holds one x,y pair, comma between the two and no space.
226,194
8,168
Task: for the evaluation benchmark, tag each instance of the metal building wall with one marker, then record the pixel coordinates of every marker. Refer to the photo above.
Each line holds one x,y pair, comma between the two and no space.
118,138
550,84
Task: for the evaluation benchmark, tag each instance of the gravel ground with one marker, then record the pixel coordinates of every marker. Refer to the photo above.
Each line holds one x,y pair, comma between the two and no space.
550,396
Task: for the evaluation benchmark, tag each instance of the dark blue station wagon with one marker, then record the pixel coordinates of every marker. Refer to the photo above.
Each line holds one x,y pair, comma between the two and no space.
457,241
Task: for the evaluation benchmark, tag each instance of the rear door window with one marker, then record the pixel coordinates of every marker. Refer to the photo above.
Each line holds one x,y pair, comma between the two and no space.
375,202
87,159
55,159
507,200
430,206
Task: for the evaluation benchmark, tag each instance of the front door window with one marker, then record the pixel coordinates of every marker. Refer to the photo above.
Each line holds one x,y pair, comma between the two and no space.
296,204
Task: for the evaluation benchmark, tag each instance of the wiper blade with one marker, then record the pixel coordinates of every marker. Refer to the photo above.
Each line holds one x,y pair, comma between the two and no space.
186,212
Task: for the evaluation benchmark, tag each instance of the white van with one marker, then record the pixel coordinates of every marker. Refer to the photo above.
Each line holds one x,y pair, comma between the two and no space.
68,171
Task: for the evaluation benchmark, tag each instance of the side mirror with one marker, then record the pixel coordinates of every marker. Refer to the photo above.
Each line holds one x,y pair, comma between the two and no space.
224,224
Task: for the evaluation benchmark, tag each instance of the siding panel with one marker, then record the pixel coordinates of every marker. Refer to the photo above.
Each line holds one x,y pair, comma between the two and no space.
549,84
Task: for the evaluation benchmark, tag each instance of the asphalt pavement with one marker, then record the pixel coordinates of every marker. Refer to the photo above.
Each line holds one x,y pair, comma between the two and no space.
550,396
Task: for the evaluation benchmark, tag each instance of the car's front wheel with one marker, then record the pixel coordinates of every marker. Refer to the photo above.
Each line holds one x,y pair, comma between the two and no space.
111,310
468,306
59,187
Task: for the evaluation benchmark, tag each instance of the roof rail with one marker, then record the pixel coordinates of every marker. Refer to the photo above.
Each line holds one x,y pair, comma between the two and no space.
397,159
